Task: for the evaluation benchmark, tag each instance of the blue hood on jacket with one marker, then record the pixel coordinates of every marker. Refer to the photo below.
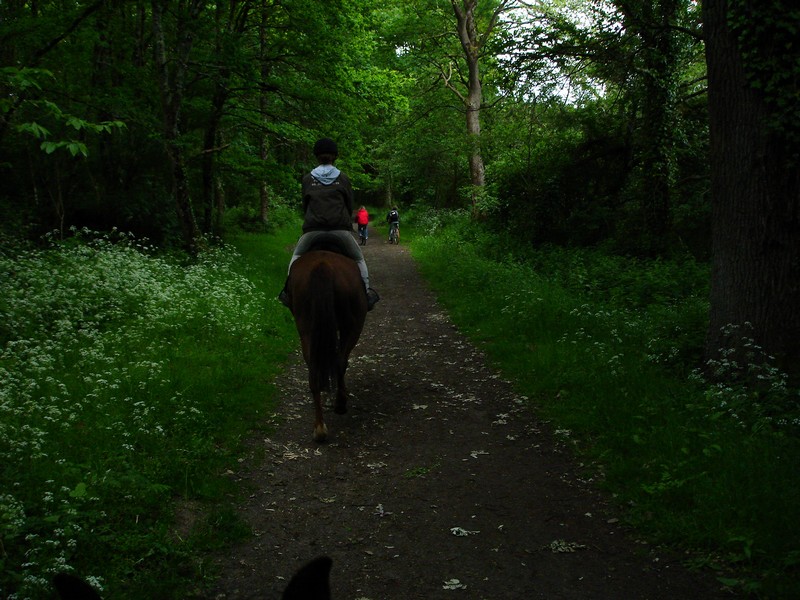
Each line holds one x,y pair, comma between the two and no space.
325,174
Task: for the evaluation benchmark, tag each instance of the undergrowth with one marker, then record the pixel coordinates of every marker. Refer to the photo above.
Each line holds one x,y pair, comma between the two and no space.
127,381
609,349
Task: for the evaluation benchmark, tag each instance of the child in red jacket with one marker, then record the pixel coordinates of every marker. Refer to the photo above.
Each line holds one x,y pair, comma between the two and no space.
362,218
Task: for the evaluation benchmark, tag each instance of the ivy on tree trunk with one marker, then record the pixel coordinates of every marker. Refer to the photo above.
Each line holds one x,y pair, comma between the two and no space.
755,188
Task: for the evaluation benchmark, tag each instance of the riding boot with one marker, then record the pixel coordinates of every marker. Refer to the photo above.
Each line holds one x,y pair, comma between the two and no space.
372,298
284,295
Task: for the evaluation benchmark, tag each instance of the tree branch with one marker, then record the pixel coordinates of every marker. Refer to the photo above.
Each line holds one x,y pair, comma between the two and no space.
75,24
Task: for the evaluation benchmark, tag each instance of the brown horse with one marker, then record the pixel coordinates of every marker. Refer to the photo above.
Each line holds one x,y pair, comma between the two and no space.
329,307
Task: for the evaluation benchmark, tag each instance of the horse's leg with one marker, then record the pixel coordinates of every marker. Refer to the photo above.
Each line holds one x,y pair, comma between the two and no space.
340,407
320,429
349,338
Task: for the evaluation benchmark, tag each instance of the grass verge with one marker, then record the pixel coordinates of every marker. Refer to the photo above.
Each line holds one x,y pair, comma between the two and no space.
605,347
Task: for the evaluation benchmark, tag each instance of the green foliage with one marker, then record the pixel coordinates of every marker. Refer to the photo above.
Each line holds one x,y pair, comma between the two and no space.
128,381
19,82
566,167
564,175
245,218
767,36
747,388
608,348
314,75
605,139
546,200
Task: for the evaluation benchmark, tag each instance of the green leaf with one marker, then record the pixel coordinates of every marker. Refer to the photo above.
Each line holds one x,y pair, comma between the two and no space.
79,491
76,123
34,129
76,148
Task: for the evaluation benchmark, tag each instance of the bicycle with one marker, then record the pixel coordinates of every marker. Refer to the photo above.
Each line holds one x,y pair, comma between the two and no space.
362,235
394,233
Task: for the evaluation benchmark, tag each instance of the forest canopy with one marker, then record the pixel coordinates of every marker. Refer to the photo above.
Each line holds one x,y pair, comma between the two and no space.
114,114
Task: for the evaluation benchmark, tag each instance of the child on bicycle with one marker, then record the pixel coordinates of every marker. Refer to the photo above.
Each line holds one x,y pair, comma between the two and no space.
362,218
393,218
328,209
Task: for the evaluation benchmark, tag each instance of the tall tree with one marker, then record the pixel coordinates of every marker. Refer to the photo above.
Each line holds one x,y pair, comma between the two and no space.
263,102
753,82
635,65
172,74
450,44
657,70
230,21
474,38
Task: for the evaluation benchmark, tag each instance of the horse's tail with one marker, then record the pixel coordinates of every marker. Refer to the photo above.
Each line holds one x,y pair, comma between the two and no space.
324,345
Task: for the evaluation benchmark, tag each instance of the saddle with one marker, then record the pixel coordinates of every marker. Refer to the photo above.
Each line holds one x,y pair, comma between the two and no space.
331,243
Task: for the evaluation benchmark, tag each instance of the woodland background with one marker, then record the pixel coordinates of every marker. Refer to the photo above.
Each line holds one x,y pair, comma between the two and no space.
570,123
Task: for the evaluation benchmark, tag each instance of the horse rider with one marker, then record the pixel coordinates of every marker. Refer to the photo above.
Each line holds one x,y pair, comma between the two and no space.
328,210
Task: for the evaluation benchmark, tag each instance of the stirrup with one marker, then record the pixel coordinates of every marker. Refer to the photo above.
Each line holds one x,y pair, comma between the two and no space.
283,297
372,298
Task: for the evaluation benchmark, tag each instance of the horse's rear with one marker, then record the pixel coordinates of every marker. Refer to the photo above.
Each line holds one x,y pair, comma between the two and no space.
329,307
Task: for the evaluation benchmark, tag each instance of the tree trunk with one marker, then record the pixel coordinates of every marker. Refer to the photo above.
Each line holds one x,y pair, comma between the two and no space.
755,191
660,62
468,36
208,175
234,26
219,202
171,83
263,145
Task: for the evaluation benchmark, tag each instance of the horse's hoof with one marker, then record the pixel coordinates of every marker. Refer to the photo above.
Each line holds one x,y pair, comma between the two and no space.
321,433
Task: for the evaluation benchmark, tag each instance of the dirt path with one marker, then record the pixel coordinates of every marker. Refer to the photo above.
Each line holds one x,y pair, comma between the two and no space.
439,472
